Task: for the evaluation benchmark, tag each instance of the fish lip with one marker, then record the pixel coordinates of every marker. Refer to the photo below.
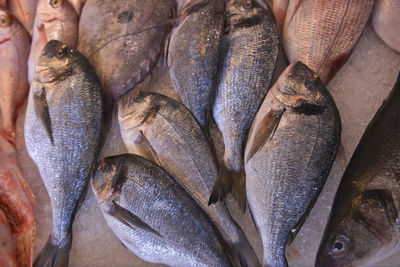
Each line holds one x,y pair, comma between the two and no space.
5,40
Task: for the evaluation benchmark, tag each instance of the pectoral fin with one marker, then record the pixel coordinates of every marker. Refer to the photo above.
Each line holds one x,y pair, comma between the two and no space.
263,131
144,148
129,219
41,108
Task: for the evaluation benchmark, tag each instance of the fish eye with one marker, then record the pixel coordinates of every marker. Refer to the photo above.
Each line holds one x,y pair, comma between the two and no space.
104,167
248,4
56,3
5,21
340,244
61,51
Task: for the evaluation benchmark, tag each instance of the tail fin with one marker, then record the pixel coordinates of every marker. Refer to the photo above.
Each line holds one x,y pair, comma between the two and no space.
54,255
227,181
246,254
24,246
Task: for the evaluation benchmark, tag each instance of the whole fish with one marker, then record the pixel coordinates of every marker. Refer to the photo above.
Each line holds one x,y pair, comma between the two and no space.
165,132
291,147
153,216
193,55
17,203
249,52
24,11
123,40
7,248
14,51
55,20
322,34
62,133
364,224
386,21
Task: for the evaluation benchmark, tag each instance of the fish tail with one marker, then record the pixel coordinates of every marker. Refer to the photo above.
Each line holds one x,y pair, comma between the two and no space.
54,254
24,246
239,189
245,253
222,186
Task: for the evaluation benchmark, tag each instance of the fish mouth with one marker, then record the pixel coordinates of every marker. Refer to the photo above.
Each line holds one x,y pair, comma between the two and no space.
5,40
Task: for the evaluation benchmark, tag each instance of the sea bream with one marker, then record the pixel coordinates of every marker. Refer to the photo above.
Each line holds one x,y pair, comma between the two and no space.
62,133
364,224
248,55
291,148
153,216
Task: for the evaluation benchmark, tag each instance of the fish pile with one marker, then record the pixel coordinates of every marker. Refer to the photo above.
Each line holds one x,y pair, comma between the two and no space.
165,200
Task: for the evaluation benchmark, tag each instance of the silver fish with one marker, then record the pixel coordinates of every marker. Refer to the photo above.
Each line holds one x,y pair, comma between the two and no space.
291,147
153,216
164,131
249,52
62,132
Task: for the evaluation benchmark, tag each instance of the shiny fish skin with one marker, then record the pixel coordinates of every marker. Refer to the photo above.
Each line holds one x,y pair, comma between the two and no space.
193,56
365,214
173,230
286,173
52,22
24,11
164,131
62,132
321,33
386,22
109,38
249,52
14,51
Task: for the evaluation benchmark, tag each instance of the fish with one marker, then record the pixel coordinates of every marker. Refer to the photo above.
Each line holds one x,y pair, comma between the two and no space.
322,34
364,227
193,55
165,132
386,21
62,133
153,216
7,248
77,5
17,204
248,55
291,147
24,11
14,52
123,40
55,20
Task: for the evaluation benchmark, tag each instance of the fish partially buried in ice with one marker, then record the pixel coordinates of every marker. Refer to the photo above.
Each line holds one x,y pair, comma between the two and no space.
291,147
165,132
248,56
62,132
364,224
153,216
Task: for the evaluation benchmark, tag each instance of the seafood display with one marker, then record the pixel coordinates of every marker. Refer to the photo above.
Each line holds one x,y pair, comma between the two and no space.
364,223
209,97
62,132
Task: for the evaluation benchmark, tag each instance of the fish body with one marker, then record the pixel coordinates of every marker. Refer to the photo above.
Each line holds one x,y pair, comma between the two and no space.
322,34
62,132
291,147
164,131
55,20
386,21
77,5
7,248
248,53
123,40
17,205
153,216
364,225
24,11
14,52
193,55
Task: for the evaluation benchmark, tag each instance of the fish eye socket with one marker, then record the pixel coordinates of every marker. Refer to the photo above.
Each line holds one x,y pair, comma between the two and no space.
104,167
61,51
340,244
56,3
5,21
248,4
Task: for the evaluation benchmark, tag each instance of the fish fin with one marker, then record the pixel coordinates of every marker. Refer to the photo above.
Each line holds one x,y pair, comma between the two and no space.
264,131
239,189
245,252
129,219
8,138
145,149
24,246
254,221
41,108
53,254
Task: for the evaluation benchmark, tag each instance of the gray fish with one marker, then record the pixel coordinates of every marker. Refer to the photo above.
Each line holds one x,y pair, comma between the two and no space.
291,147
193,55
364,224
123,40
249,52
62,132
153,216
164,131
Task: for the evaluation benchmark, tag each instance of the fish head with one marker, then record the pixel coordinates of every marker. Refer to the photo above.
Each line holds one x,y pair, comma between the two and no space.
106,181
7,26
49,10
243,12
55,62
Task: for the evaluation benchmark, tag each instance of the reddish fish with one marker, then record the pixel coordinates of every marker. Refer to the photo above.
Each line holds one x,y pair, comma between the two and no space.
14,51
24,11
77,5
7,245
